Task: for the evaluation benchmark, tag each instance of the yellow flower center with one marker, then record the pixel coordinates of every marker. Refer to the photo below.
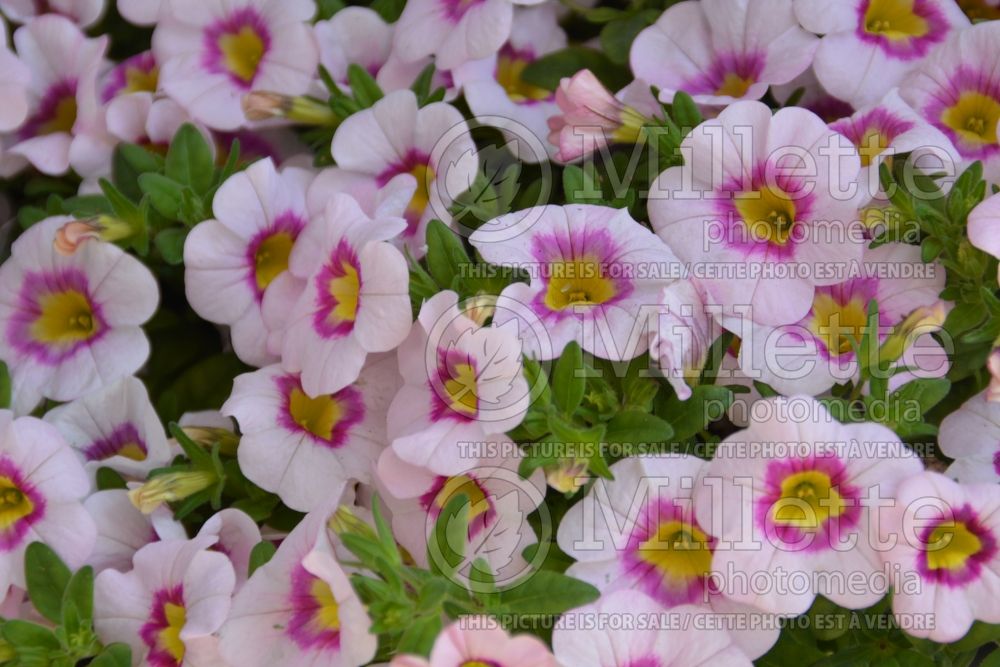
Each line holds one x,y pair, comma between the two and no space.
478,504
271,258
895,20
872,144
974,117
66,317
345,290
768,213
422,196
169,638
63,117
678,550
807,500
951,545
837,324
327,615
461,390
509,69
734,85
318,415
578,282
132,450
242,52
139,80
14,503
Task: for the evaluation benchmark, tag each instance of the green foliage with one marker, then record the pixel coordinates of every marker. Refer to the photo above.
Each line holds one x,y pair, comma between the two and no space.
66,599
407,603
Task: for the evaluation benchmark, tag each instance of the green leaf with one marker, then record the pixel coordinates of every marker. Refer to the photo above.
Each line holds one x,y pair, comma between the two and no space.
29,635
617,36
447,543
547,71
165,194
128,162
446,255
328,8
79,594
546,592
419,636
47,577
707,403
389,10
580,185
685,112
363,86
114,655
5,386
109,479
568,381
170,243
924,392
261,553
637,427
189,159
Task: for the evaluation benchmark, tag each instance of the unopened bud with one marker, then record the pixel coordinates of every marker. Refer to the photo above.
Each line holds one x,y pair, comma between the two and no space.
567,476
73,234
923,320
481,308
208,437
169,488
346,521
263,105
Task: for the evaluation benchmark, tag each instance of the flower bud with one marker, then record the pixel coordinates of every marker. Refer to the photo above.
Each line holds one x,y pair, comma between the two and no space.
170,487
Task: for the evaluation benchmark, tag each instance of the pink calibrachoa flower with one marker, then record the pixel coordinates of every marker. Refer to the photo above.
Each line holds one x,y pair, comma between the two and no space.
681,334
81,12
638,532
432,144
71,323
212,52
115,427
971,436
886,129
454,31
41,485
984,225
793,497
762,211
818,351
141,118
813,97
169,606
592,270
122,529
499,502
590,117
137,74
353,36
869,45
141,12
356,300
649,635
15,81
64,127
237,534
463,383
301,447
299,609
472,641
230,261
495,90
947,534
957,91
718,51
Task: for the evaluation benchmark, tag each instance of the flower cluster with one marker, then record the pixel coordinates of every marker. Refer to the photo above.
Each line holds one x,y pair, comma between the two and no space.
499,333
